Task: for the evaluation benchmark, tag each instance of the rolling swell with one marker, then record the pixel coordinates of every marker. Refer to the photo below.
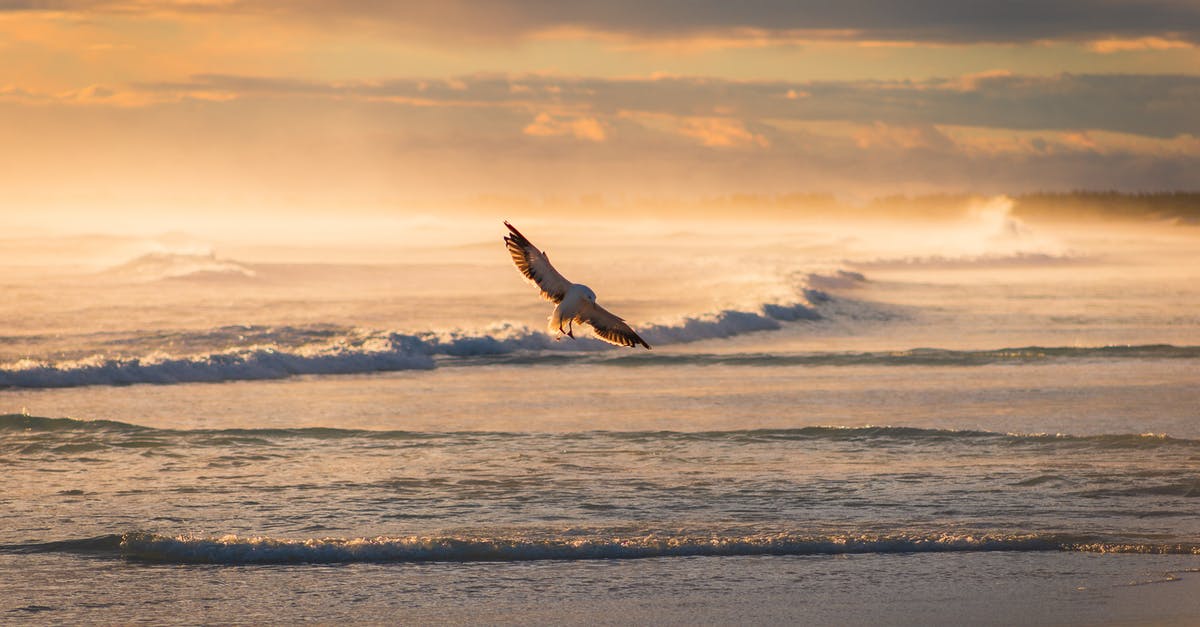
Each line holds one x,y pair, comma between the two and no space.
100,431
235,550
912,357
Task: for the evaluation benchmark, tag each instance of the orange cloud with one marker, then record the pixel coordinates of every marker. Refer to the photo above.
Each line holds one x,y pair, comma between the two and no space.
972,82
903,137
1081,140
721,133
101,95
701,41
1111,45
985,142
586,128
713,132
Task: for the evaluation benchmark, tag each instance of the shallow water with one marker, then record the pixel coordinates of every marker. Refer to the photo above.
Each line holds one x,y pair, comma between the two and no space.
869,589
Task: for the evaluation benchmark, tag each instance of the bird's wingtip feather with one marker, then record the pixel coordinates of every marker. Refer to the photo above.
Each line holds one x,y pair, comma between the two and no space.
514,230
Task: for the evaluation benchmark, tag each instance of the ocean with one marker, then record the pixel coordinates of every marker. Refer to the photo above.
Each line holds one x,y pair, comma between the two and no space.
978,420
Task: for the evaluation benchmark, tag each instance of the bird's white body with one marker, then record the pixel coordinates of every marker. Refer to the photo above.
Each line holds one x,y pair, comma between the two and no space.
576,304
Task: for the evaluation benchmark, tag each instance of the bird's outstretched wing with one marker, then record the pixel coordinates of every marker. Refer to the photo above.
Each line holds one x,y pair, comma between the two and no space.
535,265
609,326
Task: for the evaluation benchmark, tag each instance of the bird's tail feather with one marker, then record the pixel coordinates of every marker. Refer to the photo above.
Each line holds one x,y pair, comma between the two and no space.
554,323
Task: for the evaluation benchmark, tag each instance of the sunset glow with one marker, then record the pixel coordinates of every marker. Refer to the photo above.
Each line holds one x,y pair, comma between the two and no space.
653,312
140,109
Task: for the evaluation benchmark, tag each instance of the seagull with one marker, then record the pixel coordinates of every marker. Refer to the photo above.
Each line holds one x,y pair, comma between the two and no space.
573,302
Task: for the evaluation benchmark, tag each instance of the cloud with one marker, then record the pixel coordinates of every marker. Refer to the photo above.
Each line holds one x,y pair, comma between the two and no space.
91,95
722,132
938,21
922,136
169,102
315,148
545,125
713,132
1111,45
1152,105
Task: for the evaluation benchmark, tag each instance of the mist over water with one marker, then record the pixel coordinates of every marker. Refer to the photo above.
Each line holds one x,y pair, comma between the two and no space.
959,385
688,280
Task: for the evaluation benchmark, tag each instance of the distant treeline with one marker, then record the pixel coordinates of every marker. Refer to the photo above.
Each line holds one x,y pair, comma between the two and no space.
1180,207
1177,206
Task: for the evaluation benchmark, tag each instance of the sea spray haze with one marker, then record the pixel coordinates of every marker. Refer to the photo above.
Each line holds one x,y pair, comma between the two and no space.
838,418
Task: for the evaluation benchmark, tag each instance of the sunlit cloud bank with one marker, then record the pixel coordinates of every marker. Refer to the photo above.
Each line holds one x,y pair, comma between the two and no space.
130,109
1161,106
871,20
238,140
1151,105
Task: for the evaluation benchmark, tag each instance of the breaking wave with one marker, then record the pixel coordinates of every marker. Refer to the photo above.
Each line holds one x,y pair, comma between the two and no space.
235,353
359,352
253,353
388,352
235,550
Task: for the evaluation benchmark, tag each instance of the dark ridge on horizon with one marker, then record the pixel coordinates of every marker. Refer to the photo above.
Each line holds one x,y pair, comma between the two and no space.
1179,206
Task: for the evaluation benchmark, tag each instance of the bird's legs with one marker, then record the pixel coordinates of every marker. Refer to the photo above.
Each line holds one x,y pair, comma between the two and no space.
563,312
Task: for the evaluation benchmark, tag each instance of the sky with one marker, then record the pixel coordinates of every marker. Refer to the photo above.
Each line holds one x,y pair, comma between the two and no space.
122,109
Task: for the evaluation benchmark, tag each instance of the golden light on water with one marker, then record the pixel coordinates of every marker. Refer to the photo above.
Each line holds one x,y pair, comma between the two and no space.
921,281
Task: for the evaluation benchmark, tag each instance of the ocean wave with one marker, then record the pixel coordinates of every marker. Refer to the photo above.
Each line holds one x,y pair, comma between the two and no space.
252,353
932,356
235,353
911,357
1189,487
389,352
256,353
355,352
987,260
836,280
27,423
101,430
241,352
236,550
158,266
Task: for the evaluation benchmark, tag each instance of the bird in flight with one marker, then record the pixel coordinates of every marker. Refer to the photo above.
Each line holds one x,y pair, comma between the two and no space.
573,302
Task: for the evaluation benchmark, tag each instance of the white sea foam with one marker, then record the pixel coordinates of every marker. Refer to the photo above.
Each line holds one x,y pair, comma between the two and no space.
238,353
393,352
233,549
